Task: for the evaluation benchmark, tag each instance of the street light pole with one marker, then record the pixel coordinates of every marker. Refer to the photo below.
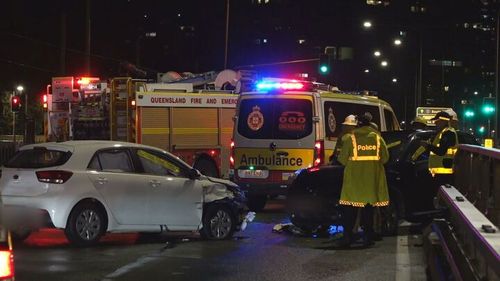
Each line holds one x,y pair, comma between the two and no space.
227,34
495,123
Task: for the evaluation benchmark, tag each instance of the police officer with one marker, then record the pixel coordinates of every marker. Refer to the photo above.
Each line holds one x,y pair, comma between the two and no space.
363,154
442,149
350,122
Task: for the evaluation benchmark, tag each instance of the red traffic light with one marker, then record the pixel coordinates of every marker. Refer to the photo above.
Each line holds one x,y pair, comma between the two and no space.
15,103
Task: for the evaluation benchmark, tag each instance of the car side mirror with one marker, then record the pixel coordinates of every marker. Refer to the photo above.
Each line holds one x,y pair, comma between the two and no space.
194,174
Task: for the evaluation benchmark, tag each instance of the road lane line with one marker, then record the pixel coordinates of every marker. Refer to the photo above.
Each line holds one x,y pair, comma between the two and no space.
403,266
141,261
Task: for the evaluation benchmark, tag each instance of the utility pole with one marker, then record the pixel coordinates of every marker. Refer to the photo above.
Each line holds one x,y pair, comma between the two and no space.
62,44
227,34
87,37
497,104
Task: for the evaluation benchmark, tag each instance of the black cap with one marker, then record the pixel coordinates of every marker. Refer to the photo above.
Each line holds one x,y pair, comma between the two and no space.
442,115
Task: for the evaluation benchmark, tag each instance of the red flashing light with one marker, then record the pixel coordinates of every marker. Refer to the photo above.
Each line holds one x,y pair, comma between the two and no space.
6,264
212,152
319,153
231,157
313,169
291,85
45,100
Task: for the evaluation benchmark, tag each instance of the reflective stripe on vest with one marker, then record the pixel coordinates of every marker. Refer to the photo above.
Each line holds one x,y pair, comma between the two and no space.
355,156
436,161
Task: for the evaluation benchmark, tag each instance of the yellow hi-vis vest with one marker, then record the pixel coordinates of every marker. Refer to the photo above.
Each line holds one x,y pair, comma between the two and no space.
436,165
355,150
364,179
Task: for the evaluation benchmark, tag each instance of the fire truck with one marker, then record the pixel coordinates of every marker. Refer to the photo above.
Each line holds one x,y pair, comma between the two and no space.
190,115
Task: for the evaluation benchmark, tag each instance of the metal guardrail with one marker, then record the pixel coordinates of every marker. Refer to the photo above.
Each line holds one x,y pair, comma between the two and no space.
467,244
477,177
468,240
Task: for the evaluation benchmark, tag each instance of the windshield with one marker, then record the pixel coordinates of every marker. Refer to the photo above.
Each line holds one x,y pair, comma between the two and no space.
266,118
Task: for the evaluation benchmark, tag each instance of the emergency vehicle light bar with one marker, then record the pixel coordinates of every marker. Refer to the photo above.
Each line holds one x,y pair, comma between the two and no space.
290,85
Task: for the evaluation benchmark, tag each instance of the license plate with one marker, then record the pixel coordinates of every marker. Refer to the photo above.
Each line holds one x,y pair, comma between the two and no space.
253,174
286,176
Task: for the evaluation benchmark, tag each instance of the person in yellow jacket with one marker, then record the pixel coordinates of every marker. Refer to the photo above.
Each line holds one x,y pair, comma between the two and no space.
442,151
363,154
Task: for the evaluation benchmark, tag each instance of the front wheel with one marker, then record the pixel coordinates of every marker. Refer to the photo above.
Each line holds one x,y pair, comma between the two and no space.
218,223
86,224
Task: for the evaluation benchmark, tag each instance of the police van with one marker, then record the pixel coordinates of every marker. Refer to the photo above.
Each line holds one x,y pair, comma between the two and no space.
286,125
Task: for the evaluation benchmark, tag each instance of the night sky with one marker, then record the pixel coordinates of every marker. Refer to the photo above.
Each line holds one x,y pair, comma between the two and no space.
190,37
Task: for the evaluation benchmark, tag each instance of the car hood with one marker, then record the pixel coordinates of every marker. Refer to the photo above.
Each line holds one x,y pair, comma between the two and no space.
227,183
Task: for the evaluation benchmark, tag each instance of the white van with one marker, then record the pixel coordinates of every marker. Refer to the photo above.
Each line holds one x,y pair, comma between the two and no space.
287,125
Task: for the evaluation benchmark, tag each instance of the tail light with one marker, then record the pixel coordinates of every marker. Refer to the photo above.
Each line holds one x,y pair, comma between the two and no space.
57,177
6,265
231,155
319,153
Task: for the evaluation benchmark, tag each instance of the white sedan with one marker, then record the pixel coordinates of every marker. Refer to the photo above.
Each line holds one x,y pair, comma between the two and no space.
89,188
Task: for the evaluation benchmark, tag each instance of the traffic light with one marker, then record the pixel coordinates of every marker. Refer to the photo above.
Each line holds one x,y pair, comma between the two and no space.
488,107
324,64
15,103
469,113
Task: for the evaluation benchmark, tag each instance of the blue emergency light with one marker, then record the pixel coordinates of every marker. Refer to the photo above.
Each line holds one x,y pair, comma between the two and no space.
279,85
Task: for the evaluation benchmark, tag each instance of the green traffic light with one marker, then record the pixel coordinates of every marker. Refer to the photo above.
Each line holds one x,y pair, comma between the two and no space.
323,69
488,109
481,129
469,113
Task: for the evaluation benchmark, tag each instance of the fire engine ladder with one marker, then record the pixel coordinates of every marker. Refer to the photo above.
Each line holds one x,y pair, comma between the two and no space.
198,79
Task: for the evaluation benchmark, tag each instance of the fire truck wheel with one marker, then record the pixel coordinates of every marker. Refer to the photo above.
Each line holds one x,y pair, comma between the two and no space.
206,167
257,203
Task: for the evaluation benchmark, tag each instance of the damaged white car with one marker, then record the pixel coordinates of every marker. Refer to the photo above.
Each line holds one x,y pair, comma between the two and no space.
89,188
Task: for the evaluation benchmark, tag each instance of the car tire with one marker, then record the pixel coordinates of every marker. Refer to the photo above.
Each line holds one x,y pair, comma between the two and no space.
390,219
218,223
86,224
207,167
256,203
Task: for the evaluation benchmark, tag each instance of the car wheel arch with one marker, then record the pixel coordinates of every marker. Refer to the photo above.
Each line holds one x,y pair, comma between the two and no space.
93,201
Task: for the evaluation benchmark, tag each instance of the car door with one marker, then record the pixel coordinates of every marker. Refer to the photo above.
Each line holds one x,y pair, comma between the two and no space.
175,200
124,191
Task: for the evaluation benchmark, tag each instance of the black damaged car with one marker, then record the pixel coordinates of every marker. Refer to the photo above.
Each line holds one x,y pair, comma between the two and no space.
312,200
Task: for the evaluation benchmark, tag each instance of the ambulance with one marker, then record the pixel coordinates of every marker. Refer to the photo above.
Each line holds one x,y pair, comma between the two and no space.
287,125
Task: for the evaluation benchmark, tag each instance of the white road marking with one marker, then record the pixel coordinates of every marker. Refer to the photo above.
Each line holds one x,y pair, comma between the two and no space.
129,267
403,265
